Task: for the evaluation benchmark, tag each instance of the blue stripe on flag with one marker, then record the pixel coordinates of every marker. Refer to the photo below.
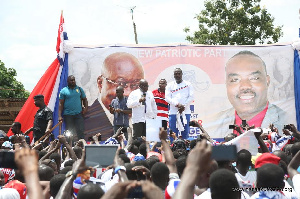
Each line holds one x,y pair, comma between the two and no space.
62,84
297,86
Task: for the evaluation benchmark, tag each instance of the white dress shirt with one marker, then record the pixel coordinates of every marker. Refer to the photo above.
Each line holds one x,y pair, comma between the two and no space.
139,112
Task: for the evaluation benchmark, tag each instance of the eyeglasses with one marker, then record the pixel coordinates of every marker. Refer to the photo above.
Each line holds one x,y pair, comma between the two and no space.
120,82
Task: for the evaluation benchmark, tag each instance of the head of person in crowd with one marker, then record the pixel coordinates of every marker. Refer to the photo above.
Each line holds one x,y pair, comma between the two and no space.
119,69
71,81
282,155
152,160
222,183
90,191
69,163
56,157
2,178
65,170
203,180
52,164
270,176
84,173
139,174
39,101
243,161
143,85
295,148
178,75
160,175
45,172
225,164
3,137
131,174
266,158
78,151
16,128
143,149
55,184
247,84
42,153
162,84
124,158
178,144
287,149
180,152
134,149
180,164
17,138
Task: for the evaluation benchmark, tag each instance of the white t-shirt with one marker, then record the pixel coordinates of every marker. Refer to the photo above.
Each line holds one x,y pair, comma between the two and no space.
207,195
296,183
182,93
247,181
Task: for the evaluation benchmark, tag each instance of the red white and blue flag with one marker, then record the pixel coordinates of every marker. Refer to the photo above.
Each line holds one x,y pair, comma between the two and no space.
49,85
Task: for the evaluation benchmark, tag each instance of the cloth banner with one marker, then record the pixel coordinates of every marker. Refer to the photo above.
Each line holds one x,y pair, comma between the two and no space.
245,141
99,69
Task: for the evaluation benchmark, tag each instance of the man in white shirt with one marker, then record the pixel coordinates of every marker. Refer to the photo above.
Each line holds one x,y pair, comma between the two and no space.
179,94
143,106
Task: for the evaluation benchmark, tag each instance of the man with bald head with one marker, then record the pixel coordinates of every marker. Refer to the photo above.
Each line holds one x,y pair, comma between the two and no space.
247,85
119,69
143,106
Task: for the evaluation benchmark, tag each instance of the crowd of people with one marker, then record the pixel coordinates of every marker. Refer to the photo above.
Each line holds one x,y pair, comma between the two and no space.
183,169
177,166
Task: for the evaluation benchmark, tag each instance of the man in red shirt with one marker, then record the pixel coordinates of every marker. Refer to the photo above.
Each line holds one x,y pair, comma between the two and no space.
162,105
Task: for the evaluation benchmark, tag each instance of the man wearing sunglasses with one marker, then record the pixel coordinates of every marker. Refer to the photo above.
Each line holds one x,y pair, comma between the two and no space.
119,69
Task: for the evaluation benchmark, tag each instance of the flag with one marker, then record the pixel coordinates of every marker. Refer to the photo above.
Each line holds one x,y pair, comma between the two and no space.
63,75
49,85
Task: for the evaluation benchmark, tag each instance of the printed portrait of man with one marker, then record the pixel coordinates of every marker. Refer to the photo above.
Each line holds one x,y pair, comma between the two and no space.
119,69
247,85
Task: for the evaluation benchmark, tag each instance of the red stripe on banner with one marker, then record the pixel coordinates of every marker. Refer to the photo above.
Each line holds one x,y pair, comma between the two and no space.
44,87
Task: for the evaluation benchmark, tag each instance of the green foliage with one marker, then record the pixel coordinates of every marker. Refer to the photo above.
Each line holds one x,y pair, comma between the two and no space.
9,86
234,22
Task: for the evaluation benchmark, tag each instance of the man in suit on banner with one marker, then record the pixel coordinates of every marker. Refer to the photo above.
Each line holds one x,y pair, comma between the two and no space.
119,69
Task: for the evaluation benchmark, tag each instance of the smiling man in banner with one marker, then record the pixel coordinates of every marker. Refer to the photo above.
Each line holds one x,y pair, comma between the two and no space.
119,69
247,85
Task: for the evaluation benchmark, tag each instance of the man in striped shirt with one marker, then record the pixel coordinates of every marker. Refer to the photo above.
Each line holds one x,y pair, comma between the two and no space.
162,105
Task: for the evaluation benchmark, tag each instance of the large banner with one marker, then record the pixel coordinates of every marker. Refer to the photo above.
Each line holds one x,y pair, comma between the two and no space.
223,90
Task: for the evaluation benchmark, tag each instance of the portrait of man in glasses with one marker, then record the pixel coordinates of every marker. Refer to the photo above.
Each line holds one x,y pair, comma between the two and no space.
119,69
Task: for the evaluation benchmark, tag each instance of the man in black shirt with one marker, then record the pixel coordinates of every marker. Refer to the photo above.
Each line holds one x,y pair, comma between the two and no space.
43,119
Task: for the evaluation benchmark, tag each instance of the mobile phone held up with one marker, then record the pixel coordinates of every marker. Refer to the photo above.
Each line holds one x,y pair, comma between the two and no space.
7,159
136,192
224,153
231,126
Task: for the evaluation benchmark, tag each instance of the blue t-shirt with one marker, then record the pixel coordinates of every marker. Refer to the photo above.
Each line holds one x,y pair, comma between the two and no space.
120,118
72,97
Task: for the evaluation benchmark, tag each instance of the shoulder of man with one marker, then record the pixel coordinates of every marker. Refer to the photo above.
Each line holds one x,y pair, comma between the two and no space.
63,90
47,109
